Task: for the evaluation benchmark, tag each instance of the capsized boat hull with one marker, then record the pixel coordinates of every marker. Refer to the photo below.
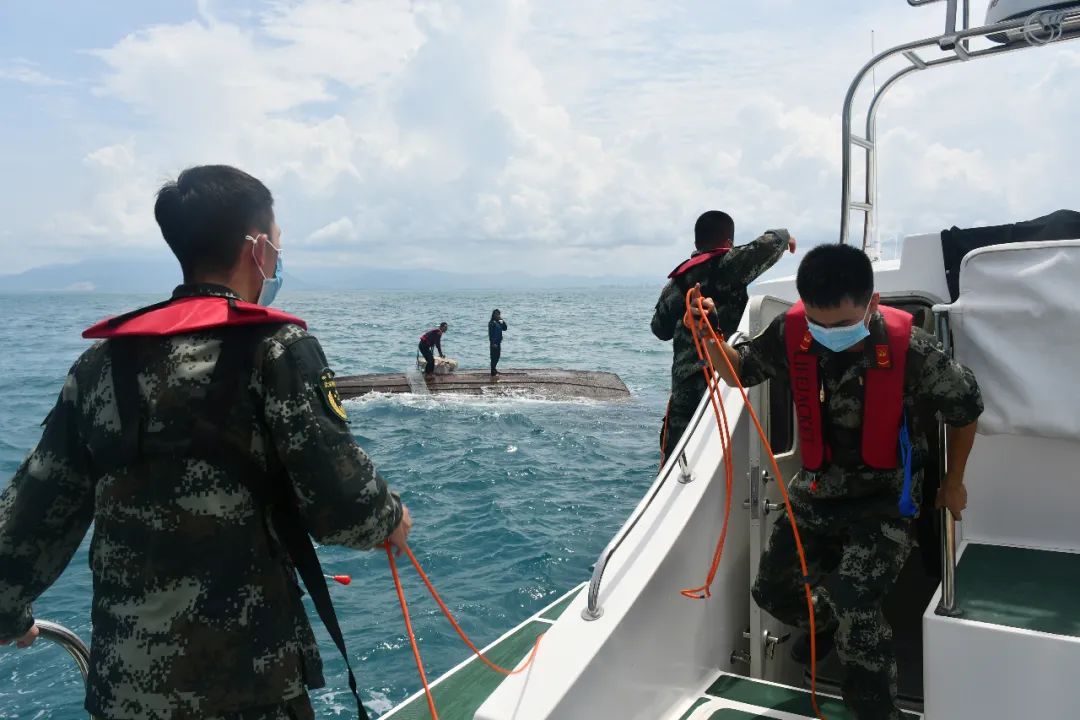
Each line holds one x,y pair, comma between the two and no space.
539,382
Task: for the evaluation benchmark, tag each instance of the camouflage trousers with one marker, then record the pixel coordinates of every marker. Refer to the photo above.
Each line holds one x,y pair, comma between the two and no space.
853,559
684,400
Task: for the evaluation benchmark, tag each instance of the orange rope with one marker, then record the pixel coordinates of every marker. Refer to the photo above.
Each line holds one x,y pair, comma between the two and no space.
725,438
409,630
460,632
720,412
449,616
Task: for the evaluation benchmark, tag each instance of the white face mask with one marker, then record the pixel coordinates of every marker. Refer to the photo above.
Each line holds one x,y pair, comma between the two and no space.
272,283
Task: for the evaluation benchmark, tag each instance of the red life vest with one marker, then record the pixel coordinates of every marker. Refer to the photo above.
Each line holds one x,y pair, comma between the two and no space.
883,399
699,259
188,315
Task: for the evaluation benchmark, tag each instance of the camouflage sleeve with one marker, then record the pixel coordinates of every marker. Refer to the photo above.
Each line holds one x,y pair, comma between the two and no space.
341,496
748,262
942,384
669,309
763,357
44,514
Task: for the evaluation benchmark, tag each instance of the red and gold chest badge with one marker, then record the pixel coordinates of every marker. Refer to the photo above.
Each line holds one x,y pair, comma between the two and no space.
329,393
884,359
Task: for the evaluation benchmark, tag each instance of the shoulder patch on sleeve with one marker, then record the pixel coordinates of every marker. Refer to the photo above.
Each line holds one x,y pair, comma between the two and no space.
329,393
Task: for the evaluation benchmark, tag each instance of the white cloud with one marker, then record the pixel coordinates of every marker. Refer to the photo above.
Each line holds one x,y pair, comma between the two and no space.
119,214
340,231
23,71
561,136
120,157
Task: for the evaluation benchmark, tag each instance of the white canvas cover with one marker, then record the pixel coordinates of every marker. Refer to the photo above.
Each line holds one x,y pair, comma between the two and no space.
1016,324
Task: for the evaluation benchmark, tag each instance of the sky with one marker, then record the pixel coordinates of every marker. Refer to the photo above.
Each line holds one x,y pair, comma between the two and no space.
550,137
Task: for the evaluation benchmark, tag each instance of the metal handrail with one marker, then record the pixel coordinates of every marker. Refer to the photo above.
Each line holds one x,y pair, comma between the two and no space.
592,610
953,41
947,604
71,642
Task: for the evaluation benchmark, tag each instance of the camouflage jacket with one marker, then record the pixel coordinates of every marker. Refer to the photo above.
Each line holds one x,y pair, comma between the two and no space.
933,384
196,609
724,280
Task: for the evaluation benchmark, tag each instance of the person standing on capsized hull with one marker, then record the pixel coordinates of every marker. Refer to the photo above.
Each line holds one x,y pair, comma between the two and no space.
432,339
496,328
205,439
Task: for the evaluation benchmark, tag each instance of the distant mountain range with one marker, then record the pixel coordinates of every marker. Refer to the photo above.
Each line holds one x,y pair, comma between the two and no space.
154,276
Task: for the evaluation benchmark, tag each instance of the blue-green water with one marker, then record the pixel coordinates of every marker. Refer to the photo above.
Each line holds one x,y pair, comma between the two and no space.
513,499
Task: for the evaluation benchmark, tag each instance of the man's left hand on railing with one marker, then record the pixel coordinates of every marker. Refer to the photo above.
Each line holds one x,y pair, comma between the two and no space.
952,495
26,640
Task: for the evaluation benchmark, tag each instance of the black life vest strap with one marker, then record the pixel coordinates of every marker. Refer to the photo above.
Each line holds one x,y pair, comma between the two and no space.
125,380
219,442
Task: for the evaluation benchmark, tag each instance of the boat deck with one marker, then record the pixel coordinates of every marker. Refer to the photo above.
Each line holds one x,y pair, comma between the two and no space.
460,692
734,697
539,382
1020,588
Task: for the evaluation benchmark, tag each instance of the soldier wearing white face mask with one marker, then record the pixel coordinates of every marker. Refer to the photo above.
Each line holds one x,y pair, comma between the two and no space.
867,386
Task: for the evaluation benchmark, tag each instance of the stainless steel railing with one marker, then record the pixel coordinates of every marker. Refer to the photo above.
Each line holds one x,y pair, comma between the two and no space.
71,642
947,605
676,465
955,44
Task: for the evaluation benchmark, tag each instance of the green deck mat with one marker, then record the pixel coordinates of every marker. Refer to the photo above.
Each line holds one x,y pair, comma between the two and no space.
1020,588
775,697
693,707
555,611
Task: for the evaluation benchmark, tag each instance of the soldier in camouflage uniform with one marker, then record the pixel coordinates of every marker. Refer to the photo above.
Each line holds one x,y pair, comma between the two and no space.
723,272
855,534
196,608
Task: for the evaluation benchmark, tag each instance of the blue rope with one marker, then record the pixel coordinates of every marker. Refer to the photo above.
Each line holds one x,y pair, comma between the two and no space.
907,503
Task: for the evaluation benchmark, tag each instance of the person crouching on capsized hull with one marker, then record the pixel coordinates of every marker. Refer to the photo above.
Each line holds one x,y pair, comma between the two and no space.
723,271
867,385
205,439
496,328
432,339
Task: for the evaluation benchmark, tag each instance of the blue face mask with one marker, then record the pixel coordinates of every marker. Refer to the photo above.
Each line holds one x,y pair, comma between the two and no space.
271,285
839,339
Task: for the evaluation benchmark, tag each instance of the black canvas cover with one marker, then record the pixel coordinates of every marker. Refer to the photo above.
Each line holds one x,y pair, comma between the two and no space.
957,242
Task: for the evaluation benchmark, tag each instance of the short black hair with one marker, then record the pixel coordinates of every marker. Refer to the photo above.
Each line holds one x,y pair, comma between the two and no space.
443,325
206,213
713,229
494,313
830,273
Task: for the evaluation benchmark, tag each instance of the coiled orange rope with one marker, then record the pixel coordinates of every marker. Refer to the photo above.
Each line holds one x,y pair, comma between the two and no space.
699,326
